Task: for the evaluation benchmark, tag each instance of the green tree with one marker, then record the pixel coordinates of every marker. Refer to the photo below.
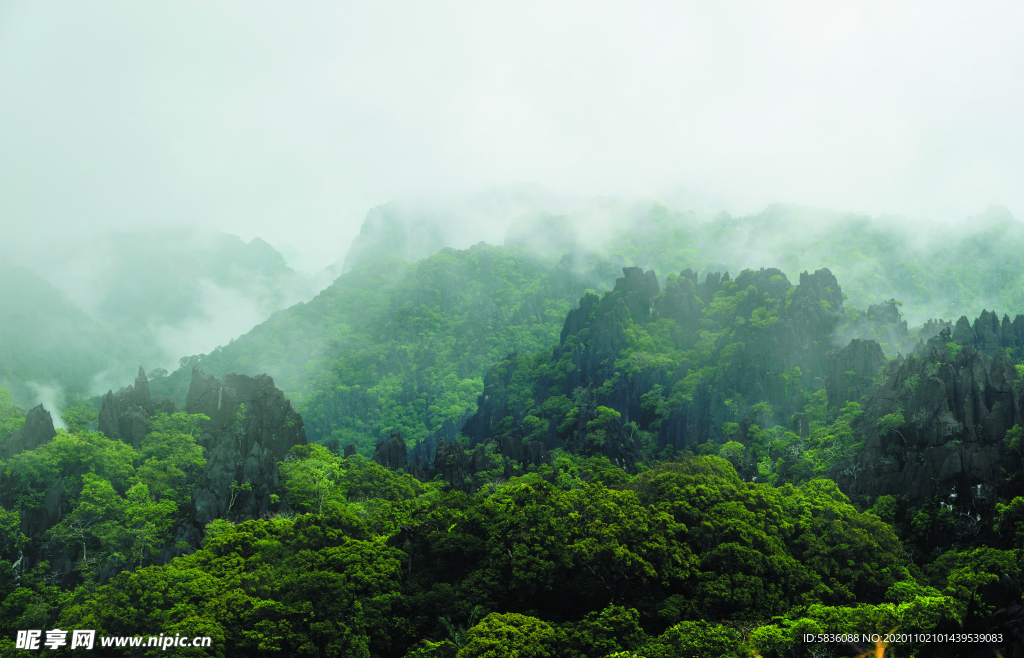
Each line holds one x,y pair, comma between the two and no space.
600,633
95,524
696,639
603,427
171,456
311,478
11,416
10,532
1010,521
77,417
150,522
509,635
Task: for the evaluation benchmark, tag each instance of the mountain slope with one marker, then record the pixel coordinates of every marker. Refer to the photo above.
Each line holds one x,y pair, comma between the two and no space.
46,340
399,347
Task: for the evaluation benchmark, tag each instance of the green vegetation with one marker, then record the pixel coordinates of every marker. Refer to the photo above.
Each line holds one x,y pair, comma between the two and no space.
400,347
692,432
938,273
117,506
11,417
394,567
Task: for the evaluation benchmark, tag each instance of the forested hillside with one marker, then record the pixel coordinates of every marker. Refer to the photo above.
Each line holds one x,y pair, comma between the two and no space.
394,346
934,270
357,370
84,319
500,451
48,341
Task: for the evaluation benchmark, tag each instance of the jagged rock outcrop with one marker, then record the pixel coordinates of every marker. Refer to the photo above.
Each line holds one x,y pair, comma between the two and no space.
885,324
392,454
773,361
782,350
453,464
949,448
37,430
851,371
684,299
962,332
604,319
493,405
422,454
457,466
252,427
989,334
47,515
125,416
933,328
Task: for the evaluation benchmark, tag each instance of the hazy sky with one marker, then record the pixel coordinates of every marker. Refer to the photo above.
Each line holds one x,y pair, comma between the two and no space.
290,120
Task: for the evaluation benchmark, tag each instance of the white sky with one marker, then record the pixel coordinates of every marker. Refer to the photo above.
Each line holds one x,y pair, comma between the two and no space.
290,120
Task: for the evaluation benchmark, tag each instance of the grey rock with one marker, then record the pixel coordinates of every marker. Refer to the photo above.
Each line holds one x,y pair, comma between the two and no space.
125,416
37,430
244,445
851,370
956,413
392,454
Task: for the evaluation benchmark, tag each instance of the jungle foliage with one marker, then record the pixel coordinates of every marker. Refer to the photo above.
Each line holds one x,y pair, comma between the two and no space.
379,564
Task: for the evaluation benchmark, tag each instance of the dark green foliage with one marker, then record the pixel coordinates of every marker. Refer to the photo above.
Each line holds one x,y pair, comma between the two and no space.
696,639
600,633
12,417
972,577
500,635
388,566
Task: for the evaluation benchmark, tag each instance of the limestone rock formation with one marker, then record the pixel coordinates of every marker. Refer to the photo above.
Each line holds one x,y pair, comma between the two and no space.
956,411
851,371
776,362
252,427
422,454
37,430
392,454
125,416
453,464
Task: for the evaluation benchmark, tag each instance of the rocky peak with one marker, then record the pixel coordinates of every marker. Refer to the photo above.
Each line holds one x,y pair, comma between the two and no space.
37,430
681,302
711,284
989,334
251,428
391,454
851,371
140,392
637,289
125,416
955,411
962,332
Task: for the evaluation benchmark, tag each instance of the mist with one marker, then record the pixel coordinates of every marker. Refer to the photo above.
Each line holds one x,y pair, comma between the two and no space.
290,124
51,396
133,135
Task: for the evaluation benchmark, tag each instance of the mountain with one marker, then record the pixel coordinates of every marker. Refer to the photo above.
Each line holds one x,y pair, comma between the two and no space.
933,270
144,297
419,227
393,346
569,454
358,374
47,343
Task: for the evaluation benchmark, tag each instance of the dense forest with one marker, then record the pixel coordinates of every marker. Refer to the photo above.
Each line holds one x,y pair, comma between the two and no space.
661,438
